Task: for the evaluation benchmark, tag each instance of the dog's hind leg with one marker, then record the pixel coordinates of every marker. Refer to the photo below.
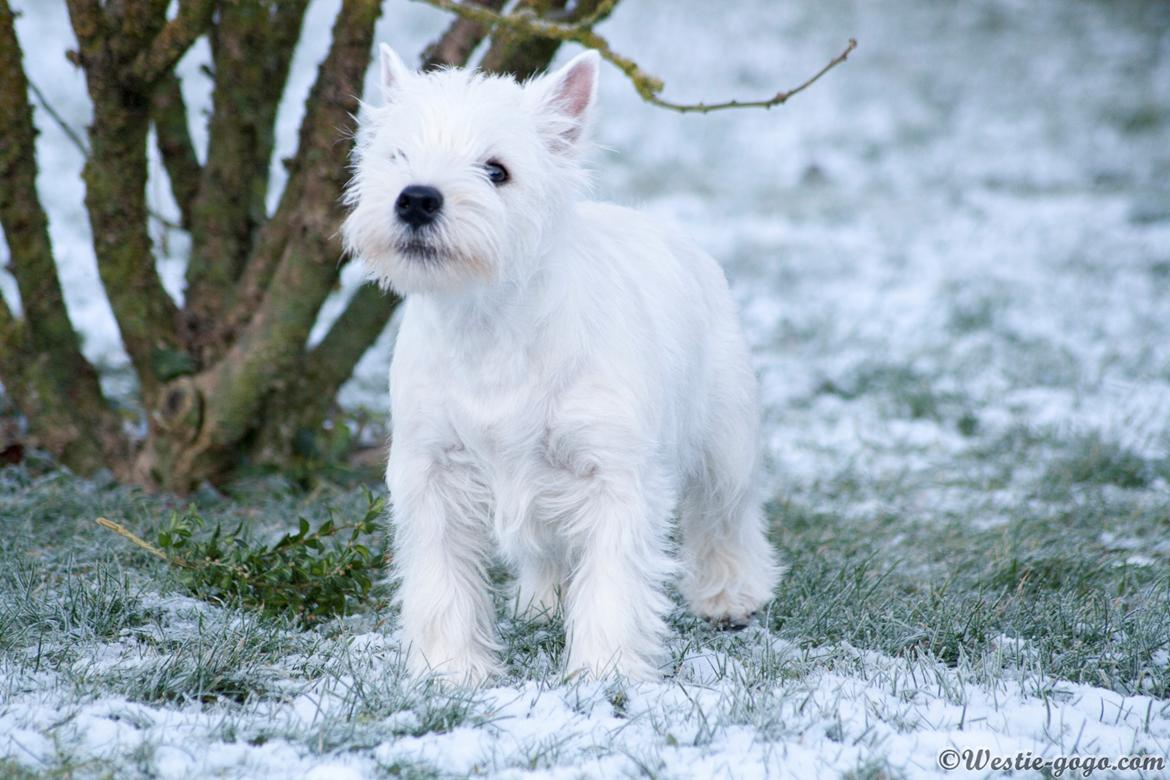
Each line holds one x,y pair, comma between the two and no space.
729,566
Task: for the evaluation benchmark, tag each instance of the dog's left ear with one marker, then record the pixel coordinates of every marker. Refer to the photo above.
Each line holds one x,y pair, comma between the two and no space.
392,71
568,96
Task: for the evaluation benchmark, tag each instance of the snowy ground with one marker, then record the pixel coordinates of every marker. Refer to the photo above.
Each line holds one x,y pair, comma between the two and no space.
953,259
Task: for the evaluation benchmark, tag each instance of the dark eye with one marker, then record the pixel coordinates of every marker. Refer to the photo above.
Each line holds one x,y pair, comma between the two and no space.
496,173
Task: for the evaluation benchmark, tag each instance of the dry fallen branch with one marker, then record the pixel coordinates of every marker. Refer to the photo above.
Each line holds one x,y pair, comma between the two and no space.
648,87
126,533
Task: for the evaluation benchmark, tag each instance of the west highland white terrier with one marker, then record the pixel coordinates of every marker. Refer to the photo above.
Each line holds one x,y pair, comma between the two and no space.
567,374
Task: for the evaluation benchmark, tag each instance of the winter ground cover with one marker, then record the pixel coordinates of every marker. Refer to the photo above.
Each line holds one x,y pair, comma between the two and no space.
953,258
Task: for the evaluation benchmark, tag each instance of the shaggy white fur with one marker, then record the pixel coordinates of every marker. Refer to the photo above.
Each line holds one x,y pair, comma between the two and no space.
566,376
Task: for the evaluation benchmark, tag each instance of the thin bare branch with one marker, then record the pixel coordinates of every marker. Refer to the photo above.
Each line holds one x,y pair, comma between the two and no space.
649,88
779,99
58,120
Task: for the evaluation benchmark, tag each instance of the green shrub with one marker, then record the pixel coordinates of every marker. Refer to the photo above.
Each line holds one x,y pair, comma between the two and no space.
310,573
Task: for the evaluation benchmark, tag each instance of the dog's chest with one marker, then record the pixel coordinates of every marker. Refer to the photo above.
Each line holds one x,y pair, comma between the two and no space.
503,430
496,424
497,406
497,388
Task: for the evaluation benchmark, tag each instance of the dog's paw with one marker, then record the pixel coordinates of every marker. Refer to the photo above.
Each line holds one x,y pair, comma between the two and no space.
732,625
727,610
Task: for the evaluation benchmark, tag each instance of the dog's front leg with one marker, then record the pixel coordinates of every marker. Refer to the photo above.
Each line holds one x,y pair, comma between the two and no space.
616,605
441,544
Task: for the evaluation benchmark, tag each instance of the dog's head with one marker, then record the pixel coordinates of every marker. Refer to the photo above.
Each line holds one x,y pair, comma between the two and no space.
459,177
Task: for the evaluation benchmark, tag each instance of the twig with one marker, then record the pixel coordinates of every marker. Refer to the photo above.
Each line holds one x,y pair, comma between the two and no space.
56,117
647,86
779,99
182,563
83,147
126,533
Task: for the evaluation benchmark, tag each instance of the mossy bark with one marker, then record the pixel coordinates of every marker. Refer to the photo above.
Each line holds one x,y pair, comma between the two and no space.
115,175
519,55
296,412
203,421
41,362
457,43
297,387
168,111
252,44
525,56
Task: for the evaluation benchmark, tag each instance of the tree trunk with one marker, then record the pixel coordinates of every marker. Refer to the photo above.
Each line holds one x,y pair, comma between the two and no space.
228,378
252,44
40,356
200,423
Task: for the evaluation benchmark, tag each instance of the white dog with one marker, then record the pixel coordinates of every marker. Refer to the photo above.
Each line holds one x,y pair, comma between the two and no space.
567,373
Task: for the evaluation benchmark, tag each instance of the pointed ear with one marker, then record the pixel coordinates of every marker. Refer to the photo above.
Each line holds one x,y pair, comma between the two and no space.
392,70
570,93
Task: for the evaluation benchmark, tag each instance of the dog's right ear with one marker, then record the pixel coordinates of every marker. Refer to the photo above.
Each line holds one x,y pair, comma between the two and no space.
569,95
392,70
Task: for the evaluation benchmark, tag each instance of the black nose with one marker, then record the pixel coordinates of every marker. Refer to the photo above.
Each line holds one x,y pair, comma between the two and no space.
418,205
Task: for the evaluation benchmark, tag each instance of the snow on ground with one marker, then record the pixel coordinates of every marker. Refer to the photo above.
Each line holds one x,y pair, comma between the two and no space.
954,243
714,719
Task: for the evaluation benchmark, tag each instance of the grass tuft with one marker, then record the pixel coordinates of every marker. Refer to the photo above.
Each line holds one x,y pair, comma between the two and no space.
1092,460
